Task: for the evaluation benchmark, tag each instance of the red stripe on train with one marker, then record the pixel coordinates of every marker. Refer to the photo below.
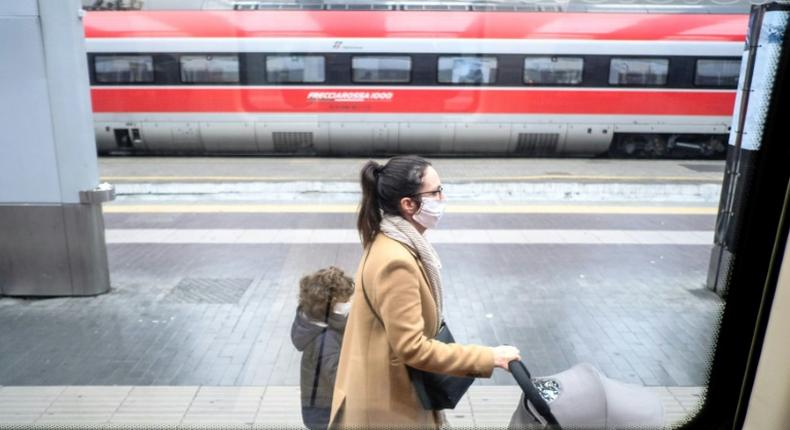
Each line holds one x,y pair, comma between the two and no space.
450,101
491,25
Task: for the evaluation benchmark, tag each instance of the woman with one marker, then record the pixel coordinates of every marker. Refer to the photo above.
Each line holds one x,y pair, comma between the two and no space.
400,274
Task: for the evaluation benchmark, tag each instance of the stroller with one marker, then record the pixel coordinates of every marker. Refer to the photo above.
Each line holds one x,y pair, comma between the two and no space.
582,397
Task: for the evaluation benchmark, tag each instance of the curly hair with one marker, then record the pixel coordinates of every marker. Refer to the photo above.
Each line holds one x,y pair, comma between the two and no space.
323,288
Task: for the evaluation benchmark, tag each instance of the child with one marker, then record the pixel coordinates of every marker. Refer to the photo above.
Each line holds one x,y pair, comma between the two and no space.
317,332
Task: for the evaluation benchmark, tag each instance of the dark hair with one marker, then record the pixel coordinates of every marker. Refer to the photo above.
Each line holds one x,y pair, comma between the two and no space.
322,289
382,189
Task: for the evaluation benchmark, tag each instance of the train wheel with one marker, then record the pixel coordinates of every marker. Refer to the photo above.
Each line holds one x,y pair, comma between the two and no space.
707,149
712,147
656,147
629,148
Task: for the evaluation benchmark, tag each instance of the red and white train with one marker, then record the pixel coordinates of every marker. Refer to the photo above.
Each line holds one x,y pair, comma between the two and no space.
428,82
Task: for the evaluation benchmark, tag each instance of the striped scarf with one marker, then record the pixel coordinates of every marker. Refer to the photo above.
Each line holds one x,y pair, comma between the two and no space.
397,228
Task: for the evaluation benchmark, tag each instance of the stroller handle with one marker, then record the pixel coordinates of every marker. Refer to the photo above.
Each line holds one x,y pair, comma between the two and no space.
524,380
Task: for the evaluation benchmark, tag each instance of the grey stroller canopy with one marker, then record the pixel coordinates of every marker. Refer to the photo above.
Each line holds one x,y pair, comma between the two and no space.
582,397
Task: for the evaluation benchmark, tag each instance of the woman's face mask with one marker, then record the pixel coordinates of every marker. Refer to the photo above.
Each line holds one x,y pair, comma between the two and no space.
430,212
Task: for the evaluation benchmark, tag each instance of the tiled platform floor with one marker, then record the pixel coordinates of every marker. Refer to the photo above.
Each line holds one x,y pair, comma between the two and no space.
246,407
201,312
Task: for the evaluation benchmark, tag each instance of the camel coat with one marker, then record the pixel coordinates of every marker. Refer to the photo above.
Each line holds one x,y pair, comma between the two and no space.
372,387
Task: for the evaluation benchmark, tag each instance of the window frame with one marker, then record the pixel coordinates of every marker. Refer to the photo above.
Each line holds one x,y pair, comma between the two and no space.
581,82
303,82
612,58
239,63
96,73
407,82
468,84
721,87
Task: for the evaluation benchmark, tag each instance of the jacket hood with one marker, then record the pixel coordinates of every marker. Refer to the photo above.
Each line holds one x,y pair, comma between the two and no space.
305,330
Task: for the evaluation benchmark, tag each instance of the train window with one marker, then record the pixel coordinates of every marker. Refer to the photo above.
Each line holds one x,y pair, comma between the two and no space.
467,70
553,70
638,71
124,68
381,69
295,68
209,69
717,73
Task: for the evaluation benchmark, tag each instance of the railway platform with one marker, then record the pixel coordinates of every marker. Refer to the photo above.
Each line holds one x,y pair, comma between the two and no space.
205,255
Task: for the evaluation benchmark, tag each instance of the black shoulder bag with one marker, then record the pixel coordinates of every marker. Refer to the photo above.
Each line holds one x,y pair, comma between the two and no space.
436,391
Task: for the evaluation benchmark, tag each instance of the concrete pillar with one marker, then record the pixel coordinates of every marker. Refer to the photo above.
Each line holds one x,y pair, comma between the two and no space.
51,224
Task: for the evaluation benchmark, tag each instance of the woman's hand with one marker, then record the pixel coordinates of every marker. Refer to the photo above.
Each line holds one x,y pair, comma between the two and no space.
504,354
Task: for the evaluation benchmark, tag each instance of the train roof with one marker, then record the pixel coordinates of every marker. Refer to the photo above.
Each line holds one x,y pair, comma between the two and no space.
414,24
633,6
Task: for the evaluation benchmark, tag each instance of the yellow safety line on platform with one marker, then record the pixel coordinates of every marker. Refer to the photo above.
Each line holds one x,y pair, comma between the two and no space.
352,208
143,179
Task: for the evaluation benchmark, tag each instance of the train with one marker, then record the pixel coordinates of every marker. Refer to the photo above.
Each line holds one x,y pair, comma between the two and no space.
378,82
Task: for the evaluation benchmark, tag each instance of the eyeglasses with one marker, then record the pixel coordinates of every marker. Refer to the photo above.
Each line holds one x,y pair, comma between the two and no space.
431,193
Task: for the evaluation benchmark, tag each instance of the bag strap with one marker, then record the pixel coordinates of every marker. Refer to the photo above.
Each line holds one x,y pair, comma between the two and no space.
422,271
320,355
365,293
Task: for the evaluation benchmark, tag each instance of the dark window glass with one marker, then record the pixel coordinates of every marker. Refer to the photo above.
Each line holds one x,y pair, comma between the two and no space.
553,70
210,69
124,68
717,73
467,70
638,71
295,68
380,69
